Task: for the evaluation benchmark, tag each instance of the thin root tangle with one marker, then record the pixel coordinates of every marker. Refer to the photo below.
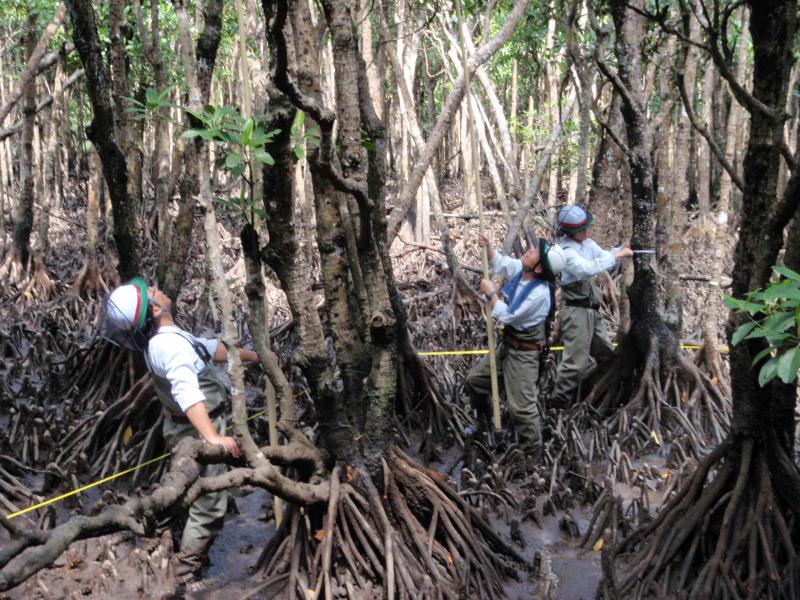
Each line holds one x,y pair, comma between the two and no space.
720,536
666,396
418,539
40,286
444,420
12,273
90,281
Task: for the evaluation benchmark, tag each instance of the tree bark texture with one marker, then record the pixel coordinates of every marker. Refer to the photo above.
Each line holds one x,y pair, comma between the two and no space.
772,27
102,132
171,275
283,253
23,221
627,47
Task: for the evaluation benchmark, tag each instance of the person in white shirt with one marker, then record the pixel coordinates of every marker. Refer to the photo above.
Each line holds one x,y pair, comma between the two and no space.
523,307
585,337
192,390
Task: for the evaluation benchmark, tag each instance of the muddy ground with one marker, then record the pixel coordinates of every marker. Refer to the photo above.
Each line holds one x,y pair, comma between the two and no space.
122,566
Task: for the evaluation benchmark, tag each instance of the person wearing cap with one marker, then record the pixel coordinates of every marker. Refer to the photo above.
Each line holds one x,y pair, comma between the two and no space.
524,307
583,330
192,390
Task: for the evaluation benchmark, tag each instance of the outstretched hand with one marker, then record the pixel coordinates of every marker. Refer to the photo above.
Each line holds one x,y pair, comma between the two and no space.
623,252
228,443
484,242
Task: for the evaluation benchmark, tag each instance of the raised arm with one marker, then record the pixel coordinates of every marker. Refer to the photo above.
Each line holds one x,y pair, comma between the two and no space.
221,354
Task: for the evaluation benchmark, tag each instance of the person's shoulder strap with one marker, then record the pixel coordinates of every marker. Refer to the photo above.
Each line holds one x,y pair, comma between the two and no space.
201,351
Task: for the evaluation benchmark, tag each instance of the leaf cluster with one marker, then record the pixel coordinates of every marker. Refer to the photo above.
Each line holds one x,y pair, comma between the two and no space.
774,316
241,140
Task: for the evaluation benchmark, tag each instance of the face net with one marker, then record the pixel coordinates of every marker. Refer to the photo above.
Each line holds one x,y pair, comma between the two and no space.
119,330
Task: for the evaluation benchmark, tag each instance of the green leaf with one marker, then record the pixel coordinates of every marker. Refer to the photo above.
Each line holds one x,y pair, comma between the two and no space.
732,303
761,355
785,290
233,160
753,307
788,363
202,117
205,134
151,96
247,131
786,272
264,157
768,372
778,322
742,331
260,212
776,339
758,332
299,152
299,119
133,101
258,138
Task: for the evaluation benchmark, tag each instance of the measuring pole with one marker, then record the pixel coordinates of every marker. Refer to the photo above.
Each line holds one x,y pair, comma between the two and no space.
476,189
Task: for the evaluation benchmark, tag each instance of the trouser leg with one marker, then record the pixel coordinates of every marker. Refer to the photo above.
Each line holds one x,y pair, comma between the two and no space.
208,511
521,368
577,332
479,386
601,348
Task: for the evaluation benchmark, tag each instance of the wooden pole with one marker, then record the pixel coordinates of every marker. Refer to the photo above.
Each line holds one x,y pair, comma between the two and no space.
476,189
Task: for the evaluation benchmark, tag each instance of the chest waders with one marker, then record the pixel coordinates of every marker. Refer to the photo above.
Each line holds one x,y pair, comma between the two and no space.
584,335
518,370
207,512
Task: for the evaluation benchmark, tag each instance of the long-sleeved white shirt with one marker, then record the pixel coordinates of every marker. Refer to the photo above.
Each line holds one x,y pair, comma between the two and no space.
533,309
170,354
584,259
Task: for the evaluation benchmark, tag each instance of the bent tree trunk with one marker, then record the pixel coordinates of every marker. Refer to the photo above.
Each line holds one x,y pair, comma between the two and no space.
732,528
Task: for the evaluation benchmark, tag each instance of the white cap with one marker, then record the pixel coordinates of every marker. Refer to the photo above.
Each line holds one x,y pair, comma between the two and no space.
126,308
573,218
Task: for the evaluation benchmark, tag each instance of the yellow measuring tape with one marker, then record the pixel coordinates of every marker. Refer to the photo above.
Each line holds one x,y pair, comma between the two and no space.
101,481
722,349
258,414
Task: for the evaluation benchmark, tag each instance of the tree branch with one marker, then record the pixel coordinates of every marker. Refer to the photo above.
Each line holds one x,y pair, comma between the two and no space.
482,54
7,132
34,63
702,130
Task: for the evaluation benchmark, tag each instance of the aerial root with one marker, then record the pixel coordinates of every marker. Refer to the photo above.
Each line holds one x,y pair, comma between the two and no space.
666,398
13,274
718,537
421,403
177,490
418,538
39,286
90,281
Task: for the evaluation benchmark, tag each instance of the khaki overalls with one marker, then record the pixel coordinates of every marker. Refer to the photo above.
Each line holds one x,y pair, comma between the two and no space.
518,371
584,335
207,512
